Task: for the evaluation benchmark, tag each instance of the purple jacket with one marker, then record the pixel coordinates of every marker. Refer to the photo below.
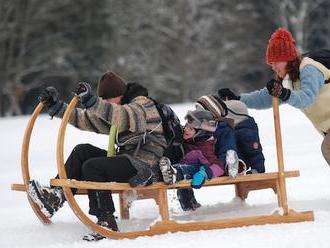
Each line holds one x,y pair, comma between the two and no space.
203,153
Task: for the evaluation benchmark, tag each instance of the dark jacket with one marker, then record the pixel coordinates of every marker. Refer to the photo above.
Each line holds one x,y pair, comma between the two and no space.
248,144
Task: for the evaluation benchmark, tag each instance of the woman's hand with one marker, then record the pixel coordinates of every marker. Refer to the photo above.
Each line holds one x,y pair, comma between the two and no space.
275,88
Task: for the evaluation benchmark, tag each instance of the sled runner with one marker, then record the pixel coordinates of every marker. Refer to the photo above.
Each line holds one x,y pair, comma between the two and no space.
158,191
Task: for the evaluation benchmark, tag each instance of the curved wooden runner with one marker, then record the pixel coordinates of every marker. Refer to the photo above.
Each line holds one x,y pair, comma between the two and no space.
166,225
25,161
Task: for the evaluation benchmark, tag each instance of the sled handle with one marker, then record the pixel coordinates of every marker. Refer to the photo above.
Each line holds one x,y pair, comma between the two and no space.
279,150
25,161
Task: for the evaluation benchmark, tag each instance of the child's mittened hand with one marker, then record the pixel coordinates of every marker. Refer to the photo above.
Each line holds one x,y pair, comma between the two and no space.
199,178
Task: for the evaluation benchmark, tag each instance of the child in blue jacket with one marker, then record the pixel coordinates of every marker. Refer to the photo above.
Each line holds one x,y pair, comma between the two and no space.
246,130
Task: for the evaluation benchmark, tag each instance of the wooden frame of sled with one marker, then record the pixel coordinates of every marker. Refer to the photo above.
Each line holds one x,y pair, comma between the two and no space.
158,191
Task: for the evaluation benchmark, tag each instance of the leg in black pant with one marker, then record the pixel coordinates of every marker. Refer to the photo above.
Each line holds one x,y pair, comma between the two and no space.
106,169
79,155
51,199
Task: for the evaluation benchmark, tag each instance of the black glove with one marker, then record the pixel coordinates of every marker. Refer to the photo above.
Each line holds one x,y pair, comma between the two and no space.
84,91
50,98
226,94
275,88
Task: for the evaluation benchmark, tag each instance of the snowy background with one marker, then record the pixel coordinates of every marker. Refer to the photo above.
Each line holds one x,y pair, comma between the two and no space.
19,227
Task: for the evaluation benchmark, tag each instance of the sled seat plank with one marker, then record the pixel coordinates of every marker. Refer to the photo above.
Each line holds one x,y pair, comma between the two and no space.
18,187
82,186
156,186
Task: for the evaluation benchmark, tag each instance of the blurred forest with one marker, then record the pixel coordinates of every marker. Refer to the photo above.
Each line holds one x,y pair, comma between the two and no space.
179,50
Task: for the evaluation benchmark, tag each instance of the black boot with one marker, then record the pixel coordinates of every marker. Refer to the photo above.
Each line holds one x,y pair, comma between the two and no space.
49,199
187,199
107,221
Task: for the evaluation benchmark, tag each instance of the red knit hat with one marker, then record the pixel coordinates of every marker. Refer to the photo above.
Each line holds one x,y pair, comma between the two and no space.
281,47
111,85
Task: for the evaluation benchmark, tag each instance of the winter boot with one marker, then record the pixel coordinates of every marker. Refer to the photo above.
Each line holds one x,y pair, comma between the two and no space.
232,163
142,178
48,199
168,171
109,222
187,199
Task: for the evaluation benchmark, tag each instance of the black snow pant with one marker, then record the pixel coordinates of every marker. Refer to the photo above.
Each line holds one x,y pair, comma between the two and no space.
90,163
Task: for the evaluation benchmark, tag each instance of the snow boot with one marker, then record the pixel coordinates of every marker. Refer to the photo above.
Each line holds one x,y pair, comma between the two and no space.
168,171
232,163
187,199
49,199
109,222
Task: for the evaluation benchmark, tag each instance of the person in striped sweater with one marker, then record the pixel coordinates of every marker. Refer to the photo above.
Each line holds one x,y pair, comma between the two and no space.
140,144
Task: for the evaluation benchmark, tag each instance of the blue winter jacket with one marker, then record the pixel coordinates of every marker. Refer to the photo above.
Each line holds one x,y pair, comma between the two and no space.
311,81
248,144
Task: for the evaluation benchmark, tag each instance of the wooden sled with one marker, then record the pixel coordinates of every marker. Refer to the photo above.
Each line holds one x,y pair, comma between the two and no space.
158,191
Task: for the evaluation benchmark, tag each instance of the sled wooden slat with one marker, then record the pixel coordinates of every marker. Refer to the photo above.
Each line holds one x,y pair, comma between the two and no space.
254,183
18,187
183,184
279,152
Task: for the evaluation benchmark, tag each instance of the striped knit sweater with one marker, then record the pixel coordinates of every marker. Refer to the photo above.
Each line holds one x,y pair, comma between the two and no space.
132,120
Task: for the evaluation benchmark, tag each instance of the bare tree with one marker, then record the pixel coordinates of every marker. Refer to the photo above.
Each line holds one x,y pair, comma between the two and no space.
178,49
295,14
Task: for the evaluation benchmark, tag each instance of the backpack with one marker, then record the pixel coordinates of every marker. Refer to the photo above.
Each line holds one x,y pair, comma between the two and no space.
322,56
173,132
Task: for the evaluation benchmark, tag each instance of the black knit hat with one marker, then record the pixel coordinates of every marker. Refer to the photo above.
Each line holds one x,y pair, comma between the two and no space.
111,85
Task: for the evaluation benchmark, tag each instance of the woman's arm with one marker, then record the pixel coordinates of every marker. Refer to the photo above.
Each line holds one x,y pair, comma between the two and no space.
259,99
311,82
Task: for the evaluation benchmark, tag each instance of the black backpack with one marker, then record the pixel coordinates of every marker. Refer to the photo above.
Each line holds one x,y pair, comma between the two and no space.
322,56
173,132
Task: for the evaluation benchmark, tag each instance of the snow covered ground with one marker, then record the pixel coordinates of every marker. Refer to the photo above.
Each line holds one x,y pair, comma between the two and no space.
311,191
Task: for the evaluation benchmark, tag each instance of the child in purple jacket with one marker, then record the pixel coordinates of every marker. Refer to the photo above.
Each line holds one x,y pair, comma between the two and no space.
205,157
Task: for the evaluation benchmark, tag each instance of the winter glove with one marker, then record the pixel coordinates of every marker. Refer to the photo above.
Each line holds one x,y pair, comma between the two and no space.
199,178
226,94
84,91
50,98
275,88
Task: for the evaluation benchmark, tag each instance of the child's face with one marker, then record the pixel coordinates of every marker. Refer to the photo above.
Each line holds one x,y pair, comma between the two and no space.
188,132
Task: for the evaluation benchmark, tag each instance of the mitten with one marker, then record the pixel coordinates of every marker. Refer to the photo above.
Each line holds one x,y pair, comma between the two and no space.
275,88
86,96
50,98
199,178
227,94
